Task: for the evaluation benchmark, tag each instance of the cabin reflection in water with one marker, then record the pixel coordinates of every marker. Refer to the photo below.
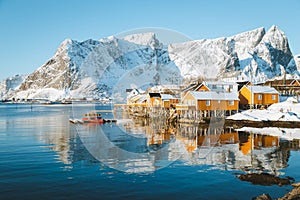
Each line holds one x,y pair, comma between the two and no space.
195,137
249,142
227,148
193,145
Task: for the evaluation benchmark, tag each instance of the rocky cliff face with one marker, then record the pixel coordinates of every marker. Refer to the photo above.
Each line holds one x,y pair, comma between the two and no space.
94,69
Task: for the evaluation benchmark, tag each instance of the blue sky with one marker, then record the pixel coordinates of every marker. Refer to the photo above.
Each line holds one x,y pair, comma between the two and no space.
31,30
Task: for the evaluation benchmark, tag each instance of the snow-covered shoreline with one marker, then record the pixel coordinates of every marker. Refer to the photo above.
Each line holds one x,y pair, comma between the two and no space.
288,110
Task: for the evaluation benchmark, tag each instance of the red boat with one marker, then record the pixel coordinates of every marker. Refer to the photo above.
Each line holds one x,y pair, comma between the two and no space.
93,117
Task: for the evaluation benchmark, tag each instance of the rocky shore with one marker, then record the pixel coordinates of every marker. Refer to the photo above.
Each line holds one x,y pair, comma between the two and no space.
294,194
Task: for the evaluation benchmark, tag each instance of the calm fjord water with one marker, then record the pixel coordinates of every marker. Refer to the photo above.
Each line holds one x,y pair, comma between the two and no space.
42,156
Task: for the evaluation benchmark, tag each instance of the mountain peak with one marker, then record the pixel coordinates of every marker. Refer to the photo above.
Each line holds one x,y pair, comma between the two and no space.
274,28
66,42
148,39
277,39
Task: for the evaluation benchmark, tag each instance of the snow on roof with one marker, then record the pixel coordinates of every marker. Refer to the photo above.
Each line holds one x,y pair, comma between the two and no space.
219,83
168,96
215,95
262,89
138,98
142,99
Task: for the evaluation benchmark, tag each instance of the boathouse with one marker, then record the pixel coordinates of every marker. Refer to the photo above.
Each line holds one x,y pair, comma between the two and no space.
257,96
209,104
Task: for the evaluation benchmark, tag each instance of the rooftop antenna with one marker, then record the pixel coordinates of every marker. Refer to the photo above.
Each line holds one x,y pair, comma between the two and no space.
251,84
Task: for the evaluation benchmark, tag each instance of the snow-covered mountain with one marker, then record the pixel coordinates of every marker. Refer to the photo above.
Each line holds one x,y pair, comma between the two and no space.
257,53
9,85
297,61
104,68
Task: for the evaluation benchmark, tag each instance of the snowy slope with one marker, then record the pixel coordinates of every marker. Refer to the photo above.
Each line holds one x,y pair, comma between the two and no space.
118,64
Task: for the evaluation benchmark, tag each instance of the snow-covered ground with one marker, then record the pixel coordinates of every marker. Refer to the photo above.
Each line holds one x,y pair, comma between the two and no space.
288,110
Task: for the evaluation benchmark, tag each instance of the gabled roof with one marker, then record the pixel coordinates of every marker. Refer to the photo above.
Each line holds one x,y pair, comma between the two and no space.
168,96
139,98
295,80
210,95
261,89
142,98
192,86
219,83
218,86
202,84
281,82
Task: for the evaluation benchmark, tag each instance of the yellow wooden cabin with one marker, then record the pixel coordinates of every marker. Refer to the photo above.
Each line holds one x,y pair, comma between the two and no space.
258,96
162,100
211,100
169,101
211,104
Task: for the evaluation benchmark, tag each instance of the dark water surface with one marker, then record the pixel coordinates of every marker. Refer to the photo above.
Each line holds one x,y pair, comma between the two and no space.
43,156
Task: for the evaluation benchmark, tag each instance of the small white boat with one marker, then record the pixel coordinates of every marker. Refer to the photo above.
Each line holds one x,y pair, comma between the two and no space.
76,121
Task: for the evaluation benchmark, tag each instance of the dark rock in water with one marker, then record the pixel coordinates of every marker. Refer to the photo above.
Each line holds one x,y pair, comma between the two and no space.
263,197
264,179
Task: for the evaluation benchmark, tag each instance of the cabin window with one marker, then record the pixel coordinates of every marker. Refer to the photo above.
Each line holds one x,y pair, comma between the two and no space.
191,102
231,102
231,87
259,97
219,101
273,97
214,86
207,103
